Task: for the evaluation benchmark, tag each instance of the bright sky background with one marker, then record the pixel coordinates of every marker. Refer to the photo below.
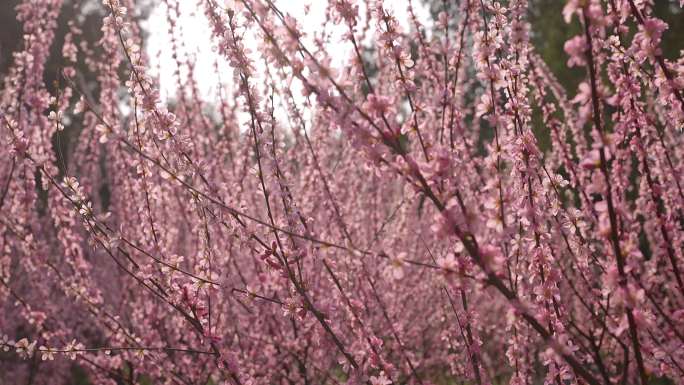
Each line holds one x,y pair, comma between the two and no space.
196,38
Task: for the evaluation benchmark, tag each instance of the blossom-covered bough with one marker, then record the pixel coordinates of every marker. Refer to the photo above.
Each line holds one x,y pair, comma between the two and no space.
387,220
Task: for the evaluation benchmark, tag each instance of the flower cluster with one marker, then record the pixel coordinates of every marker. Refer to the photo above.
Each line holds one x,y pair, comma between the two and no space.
388,218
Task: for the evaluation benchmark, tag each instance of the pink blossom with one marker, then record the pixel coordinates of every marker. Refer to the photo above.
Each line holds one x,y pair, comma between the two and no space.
434,206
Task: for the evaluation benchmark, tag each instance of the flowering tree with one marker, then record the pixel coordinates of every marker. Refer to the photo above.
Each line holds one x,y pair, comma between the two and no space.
324,225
